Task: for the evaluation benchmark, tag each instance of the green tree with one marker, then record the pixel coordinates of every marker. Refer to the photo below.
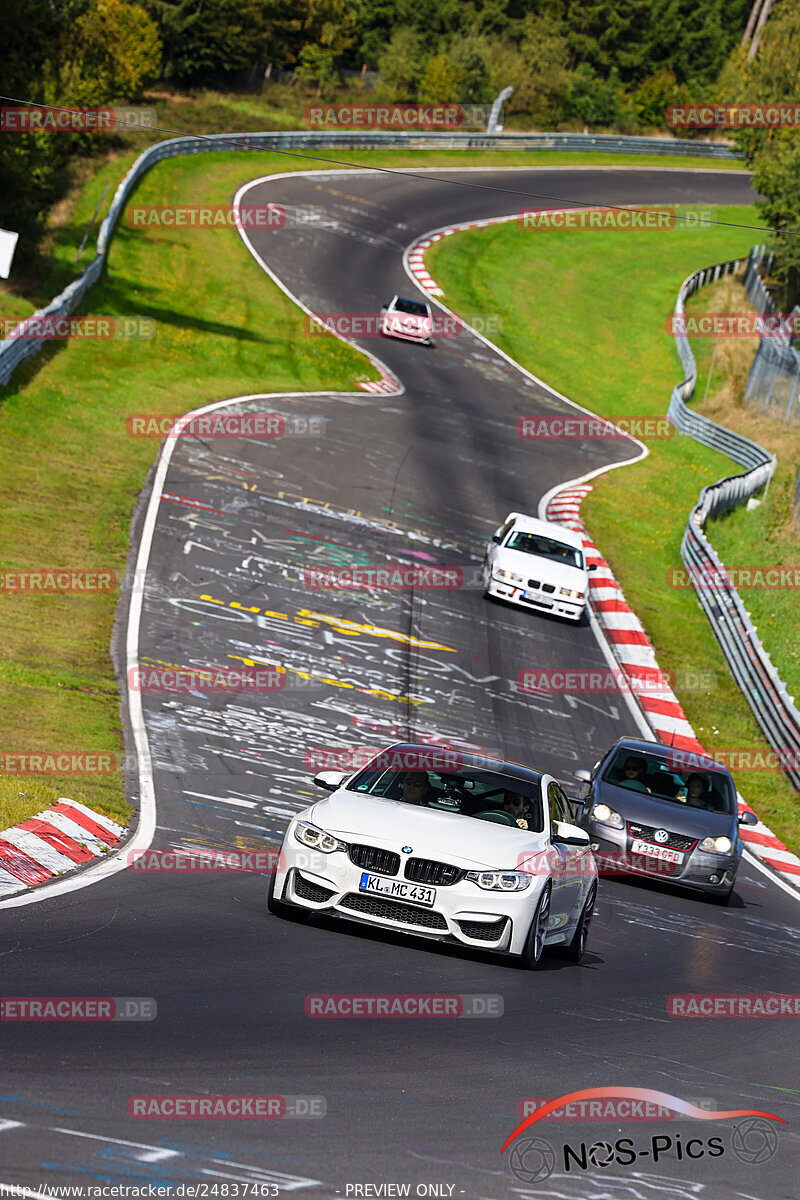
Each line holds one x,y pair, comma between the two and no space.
315,67
205,40
470,57
593,100
776,176
110,51
441,81
400,64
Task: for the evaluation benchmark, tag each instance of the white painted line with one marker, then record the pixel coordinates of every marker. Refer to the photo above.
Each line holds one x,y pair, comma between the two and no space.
224,799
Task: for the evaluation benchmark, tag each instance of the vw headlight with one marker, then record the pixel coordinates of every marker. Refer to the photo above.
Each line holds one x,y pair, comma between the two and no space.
606,816
508,575
500,881
309,835
718,845
572,593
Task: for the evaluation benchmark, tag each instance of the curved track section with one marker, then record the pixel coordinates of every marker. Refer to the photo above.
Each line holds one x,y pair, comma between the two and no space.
415,477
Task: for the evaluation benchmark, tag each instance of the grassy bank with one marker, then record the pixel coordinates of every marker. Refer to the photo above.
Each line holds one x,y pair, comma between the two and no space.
586,310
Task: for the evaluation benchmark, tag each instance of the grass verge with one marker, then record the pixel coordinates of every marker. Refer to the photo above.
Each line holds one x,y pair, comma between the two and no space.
587,311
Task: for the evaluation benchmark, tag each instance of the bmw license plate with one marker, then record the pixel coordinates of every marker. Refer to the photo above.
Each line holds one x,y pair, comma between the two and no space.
539,598
397,889
651,851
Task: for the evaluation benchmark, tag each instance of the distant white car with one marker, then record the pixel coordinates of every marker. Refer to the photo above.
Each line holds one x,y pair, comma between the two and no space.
537,564
483,853
408,319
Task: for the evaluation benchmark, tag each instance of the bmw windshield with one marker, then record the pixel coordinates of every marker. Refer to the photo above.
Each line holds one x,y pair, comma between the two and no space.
545,547
471,792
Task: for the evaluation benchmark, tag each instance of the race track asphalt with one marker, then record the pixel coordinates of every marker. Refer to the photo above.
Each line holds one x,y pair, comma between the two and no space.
420,477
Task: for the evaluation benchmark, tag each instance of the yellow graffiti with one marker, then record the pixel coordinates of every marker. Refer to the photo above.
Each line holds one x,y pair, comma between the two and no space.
305,616
380,693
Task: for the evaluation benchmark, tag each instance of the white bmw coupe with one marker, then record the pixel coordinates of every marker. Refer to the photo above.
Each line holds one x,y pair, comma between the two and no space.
537,564
464,849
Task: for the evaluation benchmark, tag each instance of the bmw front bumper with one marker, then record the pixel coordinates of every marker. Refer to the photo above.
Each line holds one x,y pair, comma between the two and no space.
462,912
513,593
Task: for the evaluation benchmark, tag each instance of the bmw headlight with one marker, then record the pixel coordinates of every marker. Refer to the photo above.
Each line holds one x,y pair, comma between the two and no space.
606,816
318,839
500,881
571,592
508,575
718,845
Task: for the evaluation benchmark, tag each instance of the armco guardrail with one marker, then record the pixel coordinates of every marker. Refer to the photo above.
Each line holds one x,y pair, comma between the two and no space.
774,378
14,350
752,669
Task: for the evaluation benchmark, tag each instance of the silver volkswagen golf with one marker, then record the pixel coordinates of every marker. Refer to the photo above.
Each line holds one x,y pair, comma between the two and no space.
653,810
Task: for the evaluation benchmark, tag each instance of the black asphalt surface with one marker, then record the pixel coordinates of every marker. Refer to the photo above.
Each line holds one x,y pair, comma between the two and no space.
417,478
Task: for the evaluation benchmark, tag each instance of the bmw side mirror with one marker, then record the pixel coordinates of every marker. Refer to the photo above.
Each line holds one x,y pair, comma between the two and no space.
496,538
330,780
570,835
748,818
592,567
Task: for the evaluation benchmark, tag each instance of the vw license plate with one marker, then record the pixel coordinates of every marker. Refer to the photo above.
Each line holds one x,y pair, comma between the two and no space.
651,851
397,889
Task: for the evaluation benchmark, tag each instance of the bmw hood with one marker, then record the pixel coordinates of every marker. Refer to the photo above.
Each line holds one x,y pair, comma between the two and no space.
531,566
442,836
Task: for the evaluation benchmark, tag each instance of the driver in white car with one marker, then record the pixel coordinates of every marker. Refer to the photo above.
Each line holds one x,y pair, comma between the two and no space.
517,807
417,788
